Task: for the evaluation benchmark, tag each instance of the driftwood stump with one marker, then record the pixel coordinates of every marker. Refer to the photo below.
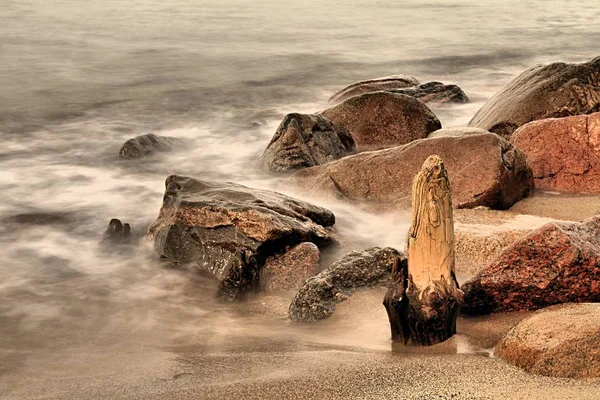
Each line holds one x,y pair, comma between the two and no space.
424,297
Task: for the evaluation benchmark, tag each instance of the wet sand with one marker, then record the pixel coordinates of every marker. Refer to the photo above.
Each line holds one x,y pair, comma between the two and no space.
346,357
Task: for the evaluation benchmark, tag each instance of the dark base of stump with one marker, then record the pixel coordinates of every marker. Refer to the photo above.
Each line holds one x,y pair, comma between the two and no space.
421,321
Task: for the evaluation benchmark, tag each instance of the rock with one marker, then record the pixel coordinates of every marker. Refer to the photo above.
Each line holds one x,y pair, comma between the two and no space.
550,91
148,145
485,170
564,153
374,85
117,233
381,119
435,92
228,230
557,263
304,140
290,269
457,131
561,341
319,295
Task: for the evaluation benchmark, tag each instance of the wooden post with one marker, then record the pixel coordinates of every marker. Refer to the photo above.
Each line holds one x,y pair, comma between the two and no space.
424,297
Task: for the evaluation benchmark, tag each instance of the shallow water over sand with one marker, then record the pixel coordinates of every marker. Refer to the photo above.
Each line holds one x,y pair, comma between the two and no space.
78,80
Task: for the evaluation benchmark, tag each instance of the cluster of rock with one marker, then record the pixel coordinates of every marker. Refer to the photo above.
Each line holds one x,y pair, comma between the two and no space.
229,231
542,129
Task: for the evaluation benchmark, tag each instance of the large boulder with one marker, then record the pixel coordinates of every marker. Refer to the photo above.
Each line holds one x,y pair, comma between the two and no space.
484,170
381,119
148,145
304,140
557,263
289,270
544,91
320,294
435,92
374,85
564,153
561,341
229,230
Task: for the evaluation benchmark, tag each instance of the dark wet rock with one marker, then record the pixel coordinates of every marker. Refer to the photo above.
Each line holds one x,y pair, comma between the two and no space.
289,270
557,263
457,132
227,230
320,294
484,170
254,126
435,92
41,218
374,85
564,153
544,91
304,140
148,145
561,341
117,233
381,119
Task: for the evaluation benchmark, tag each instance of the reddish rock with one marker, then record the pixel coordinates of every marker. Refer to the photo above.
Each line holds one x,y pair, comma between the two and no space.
544,91
290,269
557,263
381,119
374,85
564,153
561,341
484,170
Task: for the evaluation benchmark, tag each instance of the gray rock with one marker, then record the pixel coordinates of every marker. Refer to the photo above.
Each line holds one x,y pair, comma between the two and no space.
228,230
117,233
148,145
435,92
544,91
304,140
374,85
359,269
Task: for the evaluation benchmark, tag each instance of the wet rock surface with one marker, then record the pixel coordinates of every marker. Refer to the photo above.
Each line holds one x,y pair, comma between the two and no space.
557,263
435,92
564,153
319,295
381,119
484,170
117,233
149,145
374,85
289,270
544,91
561,341
228,230
305,140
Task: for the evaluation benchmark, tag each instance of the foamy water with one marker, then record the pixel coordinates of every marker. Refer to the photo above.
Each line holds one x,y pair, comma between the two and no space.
79,79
